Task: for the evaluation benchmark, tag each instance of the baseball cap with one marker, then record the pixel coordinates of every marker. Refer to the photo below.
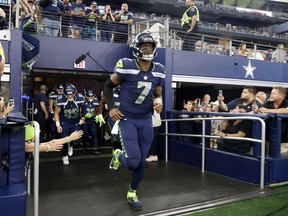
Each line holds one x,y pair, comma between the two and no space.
93,3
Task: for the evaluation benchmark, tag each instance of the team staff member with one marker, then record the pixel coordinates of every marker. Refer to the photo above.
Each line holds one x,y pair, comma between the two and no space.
189,23
140,81
41,112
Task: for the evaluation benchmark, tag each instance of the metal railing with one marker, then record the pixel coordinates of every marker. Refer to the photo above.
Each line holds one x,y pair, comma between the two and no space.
203,135
36,170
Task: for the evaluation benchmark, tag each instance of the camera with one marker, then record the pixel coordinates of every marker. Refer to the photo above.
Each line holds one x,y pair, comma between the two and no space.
11,101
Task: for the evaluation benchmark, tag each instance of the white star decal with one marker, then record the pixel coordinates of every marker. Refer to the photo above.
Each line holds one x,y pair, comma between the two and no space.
249,70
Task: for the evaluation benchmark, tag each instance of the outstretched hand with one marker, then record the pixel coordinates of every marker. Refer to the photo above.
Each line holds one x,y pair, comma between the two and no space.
76,135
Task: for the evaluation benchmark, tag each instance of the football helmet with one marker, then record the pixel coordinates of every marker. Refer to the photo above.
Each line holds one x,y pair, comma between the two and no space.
140,39
88,92
70,89
59,87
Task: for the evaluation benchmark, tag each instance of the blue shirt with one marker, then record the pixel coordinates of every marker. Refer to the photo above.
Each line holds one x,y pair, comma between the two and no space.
41,97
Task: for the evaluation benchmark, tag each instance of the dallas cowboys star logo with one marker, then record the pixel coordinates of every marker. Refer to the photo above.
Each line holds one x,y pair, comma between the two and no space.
249,70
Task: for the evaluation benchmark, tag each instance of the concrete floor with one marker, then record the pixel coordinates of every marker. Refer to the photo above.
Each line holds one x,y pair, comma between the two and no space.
86,188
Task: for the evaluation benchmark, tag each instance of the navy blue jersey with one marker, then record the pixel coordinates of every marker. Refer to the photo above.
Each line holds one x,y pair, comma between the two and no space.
138,87
90,107
53,96
70,110
53,9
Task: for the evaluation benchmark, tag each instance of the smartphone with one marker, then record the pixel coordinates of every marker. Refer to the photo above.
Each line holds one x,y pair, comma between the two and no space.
11,101
220,93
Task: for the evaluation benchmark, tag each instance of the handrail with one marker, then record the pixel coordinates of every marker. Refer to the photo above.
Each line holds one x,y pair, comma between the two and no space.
262,140
36,167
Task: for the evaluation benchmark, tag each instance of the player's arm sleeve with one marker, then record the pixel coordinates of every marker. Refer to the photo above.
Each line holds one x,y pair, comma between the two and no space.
108,93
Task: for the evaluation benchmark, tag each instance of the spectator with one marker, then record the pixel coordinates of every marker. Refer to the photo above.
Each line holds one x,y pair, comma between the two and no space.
206,100
279,54
279,105
41,112
51,12
189,106
4,110
9,108
261,97
31,25
276,103
2,19
53,145
187,127
77,11
125,20
92,15
2,60
156,122
235,128
107,27
243,51
76,34
215,124
66,19
247,99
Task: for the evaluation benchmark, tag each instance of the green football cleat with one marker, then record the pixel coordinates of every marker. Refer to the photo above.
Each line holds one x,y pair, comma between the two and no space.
115,163
132,198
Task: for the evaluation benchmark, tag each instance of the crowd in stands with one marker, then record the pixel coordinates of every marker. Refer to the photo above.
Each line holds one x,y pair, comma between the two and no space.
103,23
250,101
39,14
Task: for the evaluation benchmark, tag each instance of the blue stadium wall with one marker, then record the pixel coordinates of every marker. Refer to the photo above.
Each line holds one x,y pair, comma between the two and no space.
59,54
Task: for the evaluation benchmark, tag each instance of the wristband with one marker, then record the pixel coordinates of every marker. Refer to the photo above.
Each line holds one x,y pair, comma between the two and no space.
57,124
68,139
48,148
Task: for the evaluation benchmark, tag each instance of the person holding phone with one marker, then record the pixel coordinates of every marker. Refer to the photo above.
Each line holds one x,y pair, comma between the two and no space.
247,98
4,110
